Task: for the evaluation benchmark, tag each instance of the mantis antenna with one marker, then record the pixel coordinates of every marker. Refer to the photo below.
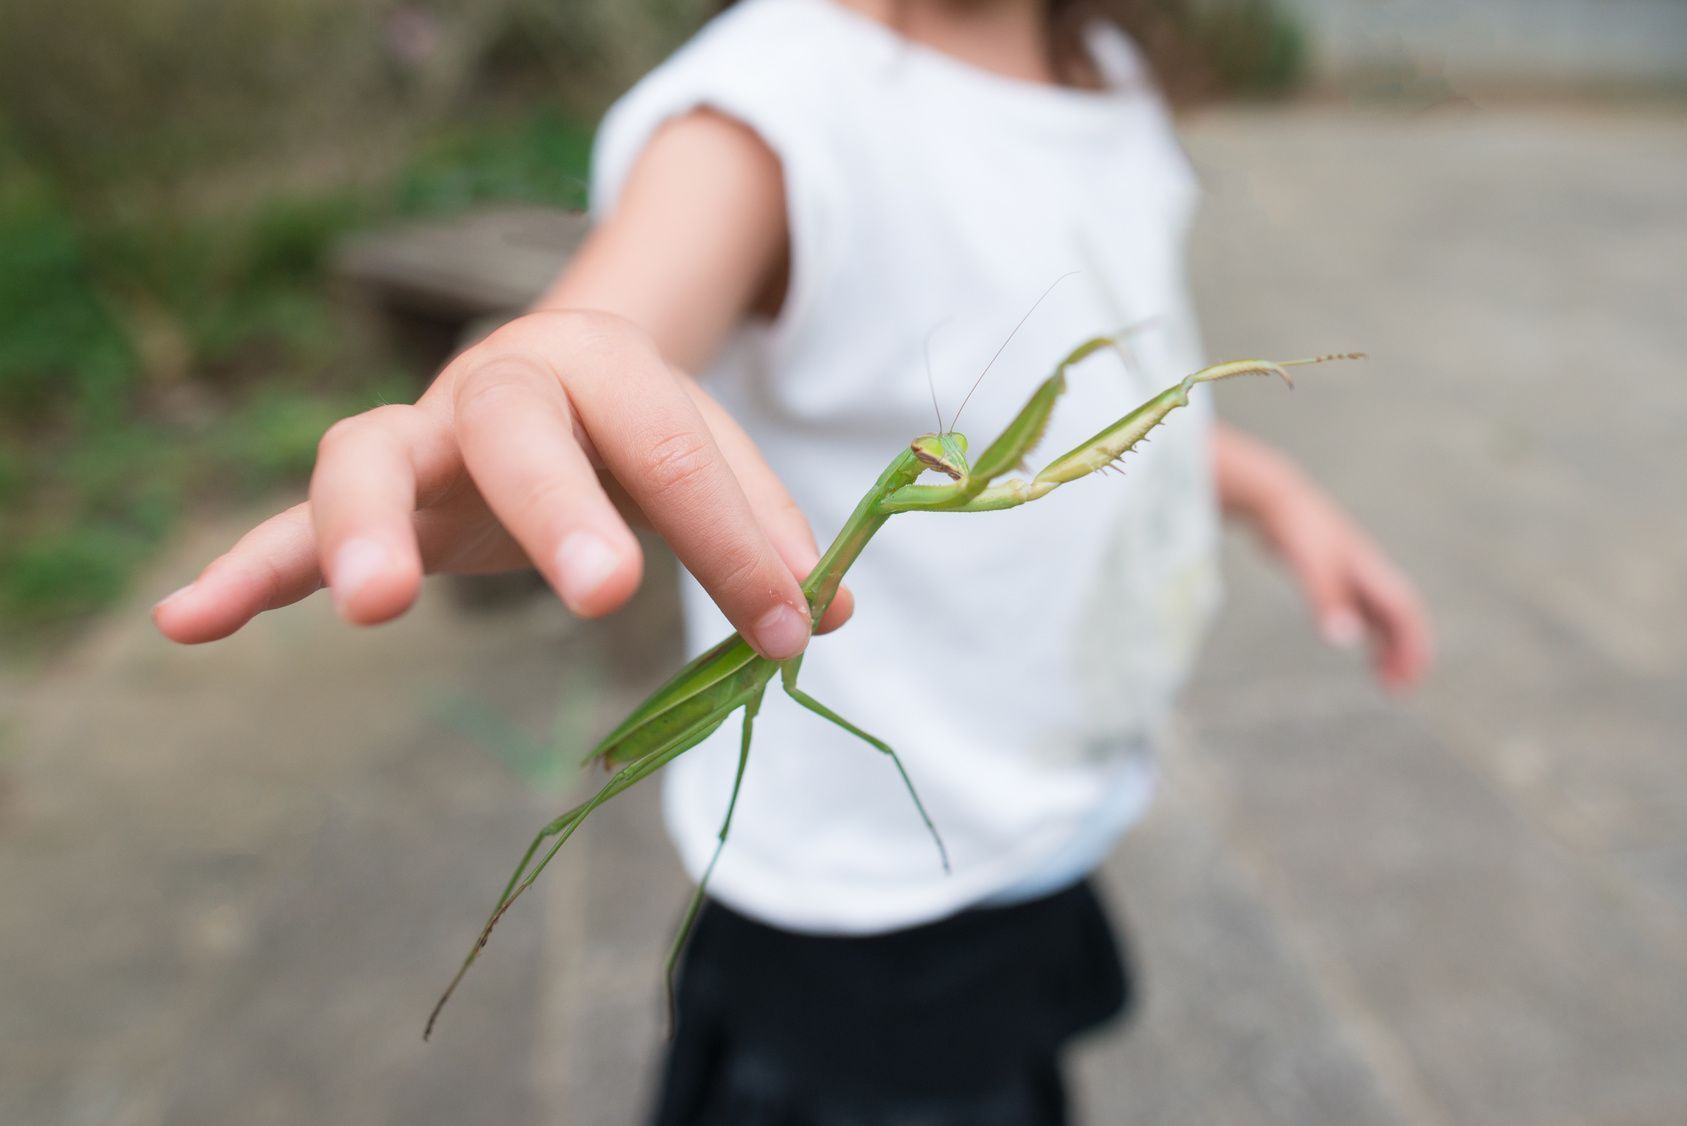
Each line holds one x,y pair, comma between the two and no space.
957,419
930,381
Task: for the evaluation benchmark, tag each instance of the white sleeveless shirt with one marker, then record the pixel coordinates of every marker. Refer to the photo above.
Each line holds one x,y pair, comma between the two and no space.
1019,661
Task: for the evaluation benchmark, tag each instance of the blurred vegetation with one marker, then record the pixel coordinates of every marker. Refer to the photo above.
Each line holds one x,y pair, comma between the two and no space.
173,176
1254,48
125,402
1206,49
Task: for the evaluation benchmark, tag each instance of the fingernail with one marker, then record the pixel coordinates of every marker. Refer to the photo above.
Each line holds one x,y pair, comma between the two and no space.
1342,629
357,561
171,597
780,633
583,563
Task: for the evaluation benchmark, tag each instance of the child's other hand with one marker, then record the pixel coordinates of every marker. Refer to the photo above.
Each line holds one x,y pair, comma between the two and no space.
1354,590
499,464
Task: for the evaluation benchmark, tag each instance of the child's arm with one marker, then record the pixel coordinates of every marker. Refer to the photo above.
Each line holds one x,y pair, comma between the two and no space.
500,460
1351,585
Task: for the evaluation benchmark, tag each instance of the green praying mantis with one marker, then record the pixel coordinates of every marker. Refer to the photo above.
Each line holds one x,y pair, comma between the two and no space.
699,698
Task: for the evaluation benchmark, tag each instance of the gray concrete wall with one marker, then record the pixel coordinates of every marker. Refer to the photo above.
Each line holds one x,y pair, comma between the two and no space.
1489,44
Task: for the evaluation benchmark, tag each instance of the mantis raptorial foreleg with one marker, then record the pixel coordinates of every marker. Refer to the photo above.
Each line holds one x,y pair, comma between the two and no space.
1121,437
1100,451
1011,447
788,677
696,903
1015,443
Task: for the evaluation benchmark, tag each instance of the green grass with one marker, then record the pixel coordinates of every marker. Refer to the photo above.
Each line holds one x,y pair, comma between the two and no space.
154,369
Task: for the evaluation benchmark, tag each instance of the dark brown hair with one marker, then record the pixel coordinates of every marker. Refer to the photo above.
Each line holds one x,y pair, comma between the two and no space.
1158,27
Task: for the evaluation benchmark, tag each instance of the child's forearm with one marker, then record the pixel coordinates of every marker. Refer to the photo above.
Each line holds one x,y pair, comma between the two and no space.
696,242
1250,476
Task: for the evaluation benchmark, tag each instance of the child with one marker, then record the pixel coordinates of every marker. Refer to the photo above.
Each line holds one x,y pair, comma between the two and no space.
798,204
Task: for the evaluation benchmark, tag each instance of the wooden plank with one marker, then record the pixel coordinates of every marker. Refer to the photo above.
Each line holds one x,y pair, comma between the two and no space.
484,262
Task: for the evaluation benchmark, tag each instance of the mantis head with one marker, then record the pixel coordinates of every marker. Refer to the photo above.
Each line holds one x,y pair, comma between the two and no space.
946,453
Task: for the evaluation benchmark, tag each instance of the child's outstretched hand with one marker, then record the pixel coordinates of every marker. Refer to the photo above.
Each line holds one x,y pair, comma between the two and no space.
511,459
1353,589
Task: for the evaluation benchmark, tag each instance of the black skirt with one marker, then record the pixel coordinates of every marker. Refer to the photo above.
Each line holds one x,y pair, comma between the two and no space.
955,1023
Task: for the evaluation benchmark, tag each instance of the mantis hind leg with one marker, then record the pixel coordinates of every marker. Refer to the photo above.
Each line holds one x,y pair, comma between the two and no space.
562,828
690,917
788,675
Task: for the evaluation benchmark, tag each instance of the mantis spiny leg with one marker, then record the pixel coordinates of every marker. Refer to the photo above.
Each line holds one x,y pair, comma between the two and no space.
696,904
1012,446
1122,437
1100,451
788,674
1022,434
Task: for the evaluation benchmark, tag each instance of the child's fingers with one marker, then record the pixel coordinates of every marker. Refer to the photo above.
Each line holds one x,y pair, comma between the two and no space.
1397,615
650,436
516,432
275,564
1323,579
1353,589
362,504
769,500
